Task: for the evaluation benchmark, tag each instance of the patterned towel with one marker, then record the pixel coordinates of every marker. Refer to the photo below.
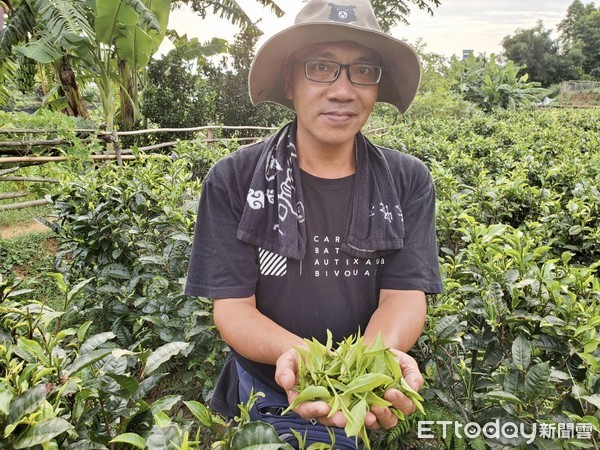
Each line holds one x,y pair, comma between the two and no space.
273,217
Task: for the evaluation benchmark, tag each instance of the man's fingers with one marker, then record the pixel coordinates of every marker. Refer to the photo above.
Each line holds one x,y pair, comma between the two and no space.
312,410
410,370
286,369
380,418
400,401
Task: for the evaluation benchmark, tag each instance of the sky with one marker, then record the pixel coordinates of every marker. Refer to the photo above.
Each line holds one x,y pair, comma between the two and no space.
456,25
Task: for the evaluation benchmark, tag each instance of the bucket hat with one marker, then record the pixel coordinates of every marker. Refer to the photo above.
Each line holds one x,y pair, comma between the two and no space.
333,21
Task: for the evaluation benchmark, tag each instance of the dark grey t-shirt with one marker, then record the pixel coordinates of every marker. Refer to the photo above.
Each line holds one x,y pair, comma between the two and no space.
327,289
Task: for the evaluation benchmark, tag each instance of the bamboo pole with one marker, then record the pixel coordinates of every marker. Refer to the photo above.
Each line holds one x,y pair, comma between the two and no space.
41,142
175,130
7,171
14,195
151,130
45,159
31,179
24,204
40,131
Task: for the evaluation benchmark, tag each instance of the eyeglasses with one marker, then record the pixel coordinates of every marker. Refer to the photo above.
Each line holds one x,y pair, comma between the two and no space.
328,71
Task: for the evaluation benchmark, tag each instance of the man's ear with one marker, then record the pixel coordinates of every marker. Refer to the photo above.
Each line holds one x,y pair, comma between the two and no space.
288,80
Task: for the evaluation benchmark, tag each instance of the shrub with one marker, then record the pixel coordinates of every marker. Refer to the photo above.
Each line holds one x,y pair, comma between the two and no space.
129,229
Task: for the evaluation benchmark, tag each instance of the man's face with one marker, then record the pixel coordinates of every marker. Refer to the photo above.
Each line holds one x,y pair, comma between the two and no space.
330,114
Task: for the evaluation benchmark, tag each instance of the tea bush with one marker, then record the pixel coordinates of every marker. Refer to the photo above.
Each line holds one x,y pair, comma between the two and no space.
129,230
514,337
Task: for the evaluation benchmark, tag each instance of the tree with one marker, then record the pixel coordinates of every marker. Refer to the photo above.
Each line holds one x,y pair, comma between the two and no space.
177,96
229,82
590,39
493,86
46,31
5,8
391,12
570,26
540,57
108,37
230,9
580,29
388,12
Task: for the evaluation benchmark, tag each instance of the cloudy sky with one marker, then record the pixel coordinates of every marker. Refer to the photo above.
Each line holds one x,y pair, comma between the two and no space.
479,25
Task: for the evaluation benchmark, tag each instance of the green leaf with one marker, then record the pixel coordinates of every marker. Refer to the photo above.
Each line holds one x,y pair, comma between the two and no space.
257,436
164,403
161,419
367,382
118,271
42,432
41,50
521,352
163,354
86,360
5,398
128,385
503,396
32,350
200,411
78,288
27,402
536,379
593,399
95,341
375,400
132,439
146,385
493,232
356,420
310,393
511,381
60,281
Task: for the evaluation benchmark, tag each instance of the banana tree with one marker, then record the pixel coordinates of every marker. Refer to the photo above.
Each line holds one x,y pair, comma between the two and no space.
128,33
231,10
47,31
95,33
5,7
389,12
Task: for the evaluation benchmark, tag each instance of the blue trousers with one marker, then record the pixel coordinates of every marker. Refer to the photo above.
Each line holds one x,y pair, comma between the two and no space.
269,408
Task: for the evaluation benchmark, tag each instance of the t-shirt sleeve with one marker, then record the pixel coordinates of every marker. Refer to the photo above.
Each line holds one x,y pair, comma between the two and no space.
221,266
416,266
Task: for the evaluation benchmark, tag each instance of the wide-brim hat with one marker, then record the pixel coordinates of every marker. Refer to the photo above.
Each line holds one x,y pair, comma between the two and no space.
333,21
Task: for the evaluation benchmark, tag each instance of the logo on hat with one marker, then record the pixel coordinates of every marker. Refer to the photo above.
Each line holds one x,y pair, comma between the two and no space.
341,13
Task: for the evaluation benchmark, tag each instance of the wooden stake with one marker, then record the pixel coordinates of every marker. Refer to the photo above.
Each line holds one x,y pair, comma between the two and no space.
24,204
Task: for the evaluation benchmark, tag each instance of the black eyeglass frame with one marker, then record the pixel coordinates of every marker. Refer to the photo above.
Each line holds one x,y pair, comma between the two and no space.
339,71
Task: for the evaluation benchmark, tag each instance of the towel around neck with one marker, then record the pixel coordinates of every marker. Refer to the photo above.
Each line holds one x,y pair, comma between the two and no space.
274,213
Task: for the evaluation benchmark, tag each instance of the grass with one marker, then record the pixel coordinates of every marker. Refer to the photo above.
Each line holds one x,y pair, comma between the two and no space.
27,260
581,99
14,217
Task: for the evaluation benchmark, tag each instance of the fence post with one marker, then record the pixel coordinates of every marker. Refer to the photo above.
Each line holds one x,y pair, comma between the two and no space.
210,136
117,144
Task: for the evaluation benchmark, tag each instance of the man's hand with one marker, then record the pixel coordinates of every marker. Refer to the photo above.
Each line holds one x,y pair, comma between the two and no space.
286,376
385,417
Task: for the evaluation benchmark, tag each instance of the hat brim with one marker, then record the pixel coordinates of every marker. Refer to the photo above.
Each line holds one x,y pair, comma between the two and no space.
399,82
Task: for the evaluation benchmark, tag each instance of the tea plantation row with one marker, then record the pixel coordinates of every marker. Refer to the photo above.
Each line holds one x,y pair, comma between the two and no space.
512,340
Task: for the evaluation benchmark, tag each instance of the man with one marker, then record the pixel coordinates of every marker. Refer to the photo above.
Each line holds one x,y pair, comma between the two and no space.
316,228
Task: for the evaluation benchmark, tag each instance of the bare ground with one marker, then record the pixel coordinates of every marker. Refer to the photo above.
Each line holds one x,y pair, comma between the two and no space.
19,229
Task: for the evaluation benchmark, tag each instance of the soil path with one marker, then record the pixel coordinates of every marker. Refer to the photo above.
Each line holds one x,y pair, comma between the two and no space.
19,229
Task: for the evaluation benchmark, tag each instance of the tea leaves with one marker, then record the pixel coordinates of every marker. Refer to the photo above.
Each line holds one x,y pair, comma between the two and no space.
351,378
